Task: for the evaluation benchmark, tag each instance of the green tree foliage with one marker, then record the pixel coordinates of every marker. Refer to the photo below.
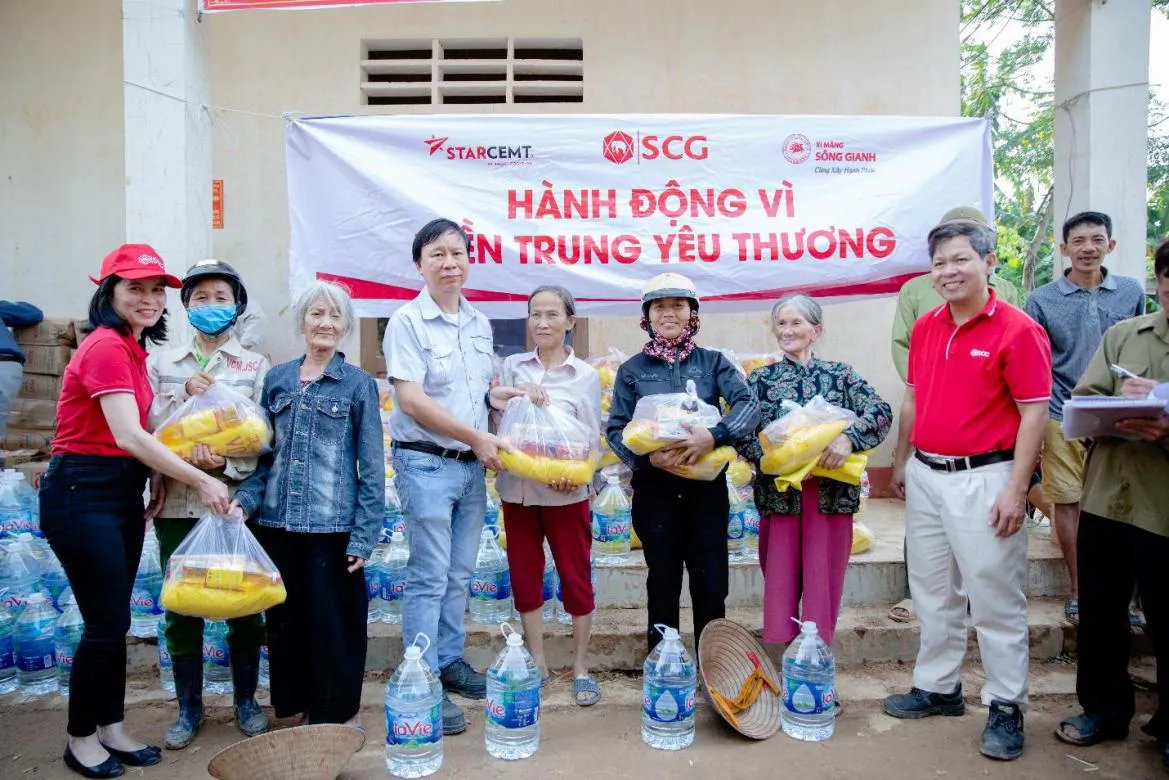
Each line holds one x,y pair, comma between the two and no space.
1001,83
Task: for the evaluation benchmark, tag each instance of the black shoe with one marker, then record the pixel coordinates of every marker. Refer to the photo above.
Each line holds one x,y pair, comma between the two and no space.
458,677
922,704
147,756
111,767
1002,739
453,719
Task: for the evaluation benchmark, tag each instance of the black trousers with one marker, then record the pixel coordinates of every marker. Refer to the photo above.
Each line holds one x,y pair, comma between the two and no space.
316,639
92,514
682,522
1113,557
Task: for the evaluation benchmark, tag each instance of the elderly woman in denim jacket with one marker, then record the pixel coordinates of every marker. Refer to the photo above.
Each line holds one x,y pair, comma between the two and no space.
318,499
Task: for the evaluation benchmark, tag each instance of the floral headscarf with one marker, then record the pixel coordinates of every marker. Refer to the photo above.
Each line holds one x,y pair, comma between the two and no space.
671,350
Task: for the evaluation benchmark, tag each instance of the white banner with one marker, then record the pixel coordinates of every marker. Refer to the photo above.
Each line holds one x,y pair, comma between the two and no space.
749,207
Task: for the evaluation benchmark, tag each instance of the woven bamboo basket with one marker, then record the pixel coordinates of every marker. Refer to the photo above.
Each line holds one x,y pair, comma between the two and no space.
303,753
723,658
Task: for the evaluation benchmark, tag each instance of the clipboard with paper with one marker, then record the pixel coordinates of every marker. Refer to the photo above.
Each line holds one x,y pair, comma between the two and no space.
1087,416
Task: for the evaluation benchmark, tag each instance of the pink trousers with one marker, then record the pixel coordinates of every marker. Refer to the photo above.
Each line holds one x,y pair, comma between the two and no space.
803,555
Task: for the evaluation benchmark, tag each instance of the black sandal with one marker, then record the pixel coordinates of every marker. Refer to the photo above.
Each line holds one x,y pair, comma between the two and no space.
1090,730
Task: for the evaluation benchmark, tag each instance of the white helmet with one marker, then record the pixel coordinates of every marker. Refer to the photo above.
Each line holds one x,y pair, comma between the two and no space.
668,285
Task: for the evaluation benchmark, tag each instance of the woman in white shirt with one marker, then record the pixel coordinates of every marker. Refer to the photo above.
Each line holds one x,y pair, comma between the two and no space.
557,512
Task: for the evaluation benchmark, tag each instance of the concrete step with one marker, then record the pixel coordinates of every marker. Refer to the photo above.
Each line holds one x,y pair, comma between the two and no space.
874,578
864,635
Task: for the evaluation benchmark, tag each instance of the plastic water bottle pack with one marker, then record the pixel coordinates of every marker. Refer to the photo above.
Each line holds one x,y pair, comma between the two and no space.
393,590
216,658
808,697
66,636
20,573
669,688
7,650
392,519
414,716
512,725
36,671
491,583
736,522
611,523
19,508
145,604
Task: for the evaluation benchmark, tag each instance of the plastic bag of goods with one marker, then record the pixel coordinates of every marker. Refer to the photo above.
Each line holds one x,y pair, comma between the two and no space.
740,473
799,438
708,467
229,424
862,538
546,444
221,572
749,363
607,366
661,419
849,473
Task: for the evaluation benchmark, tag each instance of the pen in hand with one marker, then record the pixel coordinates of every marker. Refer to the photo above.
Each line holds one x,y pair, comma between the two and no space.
1122,371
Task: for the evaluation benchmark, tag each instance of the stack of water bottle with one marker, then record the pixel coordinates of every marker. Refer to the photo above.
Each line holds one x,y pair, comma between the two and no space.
742,524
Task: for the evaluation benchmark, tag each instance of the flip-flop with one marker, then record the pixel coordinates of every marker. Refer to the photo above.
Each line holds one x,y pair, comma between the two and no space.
1090,730
586,691
902,611
1071,611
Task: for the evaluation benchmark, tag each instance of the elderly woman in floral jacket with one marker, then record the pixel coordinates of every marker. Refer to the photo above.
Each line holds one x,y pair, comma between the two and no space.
805,535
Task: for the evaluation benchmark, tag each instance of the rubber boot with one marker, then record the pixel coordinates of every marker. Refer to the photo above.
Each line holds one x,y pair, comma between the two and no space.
245,676
189,692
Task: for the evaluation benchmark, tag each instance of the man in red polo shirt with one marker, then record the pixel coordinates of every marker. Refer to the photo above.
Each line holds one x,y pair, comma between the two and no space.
975,410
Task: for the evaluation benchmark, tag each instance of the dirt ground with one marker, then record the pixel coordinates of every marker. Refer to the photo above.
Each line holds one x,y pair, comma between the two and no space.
605,741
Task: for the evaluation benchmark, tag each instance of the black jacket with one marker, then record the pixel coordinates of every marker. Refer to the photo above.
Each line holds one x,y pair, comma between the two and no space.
715,377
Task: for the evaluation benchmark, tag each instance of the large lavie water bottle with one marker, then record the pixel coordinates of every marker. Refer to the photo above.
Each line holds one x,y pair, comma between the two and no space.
216,658
491,582
392,518
394,578
166,664
751,522
512,726
736,522
611,523
7,650
809,687
548,586
36,665
374,570
20,573
66,637
414,716
669,687
145,597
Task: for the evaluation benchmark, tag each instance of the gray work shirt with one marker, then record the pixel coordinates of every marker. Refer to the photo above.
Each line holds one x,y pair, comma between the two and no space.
450,355
1075,319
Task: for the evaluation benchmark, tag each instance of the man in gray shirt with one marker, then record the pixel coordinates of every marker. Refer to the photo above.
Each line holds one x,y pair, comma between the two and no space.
1075,310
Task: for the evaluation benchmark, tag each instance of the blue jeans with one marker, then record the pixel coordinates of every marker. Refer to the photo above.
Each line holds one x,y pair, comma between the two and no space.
443,503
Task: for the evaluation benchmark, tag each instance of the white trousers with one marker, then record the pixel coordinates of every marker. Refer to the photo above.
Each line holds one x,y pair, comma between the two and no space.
950,545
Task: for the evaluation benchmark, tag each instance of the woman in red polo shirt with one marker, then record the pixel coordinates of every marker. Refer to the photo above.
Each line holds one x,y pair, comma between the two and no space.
91,498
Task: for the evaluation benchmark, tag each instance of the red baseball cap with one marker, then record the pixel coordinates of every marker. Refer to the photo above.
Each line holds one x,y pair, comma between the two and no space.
136,261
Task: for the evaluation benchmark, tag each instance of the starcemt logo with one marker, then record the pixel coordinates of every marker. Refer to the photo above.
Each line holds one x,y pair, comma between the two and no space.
797,148
617,147
979,353
496,155
149,260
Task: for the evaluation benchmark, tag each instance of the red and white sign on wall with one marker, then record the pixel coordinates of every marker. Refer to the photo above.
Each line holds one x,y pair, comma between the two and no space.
212,6
749,207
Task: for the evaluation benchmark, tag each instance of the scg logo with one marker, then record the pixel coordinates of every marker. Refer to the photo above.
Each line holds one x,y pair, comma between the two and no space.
619,147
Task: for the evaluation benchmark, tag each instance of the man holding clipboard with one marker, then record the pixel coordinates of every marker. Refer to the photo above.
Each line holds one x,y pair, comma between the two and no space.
1124,530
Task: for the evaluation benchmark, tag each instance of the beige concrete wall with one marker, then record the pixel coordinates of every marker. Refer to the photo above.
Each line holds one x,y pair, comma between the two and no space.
751,56
62,203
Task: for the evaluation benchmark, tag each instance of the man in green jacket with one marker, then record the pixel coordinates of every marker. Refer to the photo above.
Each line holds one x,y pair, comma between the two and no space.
1124,531
918,296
